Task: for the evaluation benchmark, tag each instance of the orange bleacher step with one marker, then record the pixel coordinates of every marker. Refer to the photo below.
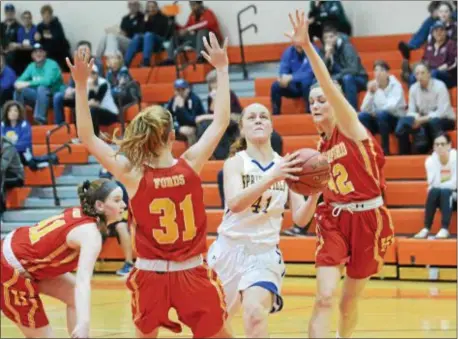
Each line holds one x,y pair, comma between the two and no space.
289,106
423,252
157,93
394,168
288,125
15,197
405,220
398,193
59,137
42,177
301,249
79,153
293,143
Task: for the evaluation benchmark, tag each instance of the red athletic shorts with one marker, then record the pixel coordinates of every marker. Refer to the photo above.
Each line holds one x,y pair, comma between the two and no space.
19,298
196,295
358,240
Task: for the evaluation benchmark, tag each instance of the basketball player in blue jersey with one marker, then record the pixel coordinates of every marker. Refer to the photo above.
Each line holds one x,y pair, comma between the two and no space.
246,254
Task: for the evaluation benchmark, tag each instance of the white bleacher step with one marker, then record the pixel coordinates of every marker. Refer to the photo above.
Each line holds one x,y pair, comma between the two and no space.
92,160
49,203
84,170
30,216
7,227
63,192
74,180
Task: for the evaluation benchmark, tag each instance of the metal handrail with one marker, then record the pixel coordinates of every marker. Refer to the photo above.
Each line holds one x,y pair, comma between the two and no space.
51,167
243,30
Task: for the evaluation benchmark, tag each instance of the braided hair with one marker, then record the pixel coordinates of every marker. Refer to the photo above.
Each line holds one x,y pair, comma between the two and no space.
90,192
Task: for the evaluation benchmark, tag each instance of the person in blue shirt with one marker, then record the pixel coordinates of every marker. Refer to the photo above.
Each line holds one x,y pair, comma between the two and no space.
17,130
296,77
7,79
185,106
24,43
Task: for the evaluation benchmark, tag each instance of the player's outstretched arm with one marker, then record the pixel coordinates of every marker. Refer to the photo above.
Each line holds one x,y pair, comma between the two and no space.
303,211
81,70
199,153
88,240
239,198
346,116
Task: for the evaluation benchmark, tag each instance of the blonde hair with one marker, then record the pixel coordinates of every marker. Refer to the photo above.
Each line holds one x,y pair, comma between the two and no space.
240,144
145,135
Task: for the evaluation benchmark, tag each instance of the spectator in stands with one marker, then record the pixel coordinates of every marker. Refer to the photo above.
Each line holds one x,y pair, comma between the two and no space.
185,107
200,23
203,121
430,112
421,36
51,36
441,176
155,31
17,129
295,79
445,15
11,170
344,64
383,104
41,79
66,98
7,79
102,105
8,33
323,13
25,42
440,55
119,78
120,230
117,39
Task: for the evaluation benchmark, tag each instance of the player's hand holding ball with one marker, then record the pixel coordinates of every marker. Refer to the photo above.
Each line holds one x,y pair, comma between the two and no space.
314,172
285,169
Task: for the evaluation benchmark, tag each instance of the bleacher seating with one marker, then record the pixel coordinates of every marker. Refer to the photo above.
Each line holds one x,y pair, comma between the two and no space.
406,188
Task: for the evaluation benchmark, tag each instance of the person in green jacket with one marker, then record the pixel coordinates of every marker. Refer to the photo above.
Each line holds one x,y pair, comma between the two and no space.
41,79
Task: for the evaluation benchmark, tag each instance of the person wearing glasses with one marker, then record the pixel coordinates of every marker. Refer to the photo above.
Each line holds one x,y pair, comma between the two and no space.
441,176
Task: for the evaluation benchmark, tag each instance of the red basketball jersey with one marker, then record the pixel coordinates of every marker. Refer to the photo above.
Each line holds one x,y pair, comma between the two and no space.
356,168
42,249
168,212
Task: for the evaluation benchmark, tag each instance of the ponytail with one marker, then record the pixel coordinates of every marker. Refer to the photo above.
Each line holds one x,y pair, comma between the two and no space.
239,145
90,192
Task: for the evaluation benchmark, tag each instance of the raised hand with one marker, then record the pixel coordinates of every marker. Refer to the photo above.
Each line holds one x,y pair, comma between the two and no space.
214,54
82,68
300,33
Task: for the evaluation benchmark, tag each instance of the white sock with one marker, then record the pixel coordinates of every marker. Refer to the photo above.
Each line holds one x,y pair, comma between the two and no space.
337,335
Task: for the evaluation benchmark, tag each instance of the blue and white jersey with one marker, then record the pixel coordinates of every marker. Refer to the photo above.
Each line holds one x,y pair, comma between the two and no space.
261,222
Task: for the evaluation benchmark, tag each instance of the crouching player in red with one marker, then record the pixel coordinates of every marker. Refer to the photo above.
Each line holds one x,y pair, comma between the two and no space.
169,226
38,260
353,226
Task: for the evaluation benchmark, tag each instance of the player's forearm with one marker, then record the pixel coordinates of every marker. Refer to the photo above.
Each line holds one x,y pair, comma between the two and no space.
222,112
83,300
305,212
84,125
248,196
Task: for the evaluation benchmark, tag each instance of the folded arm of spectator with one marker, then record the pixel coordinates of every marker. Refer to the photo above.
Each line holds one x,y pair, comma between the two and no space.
391,101
444,106
368,103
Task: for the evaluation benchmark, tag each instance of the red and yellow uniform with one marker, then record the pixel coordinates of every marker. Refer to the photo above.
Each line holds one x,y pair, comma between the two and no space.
32,254
169,225
349,230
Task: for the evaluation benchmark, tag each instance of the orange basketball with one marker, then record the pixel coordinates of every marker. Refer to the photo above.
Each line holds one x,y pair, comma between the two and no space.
315,173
